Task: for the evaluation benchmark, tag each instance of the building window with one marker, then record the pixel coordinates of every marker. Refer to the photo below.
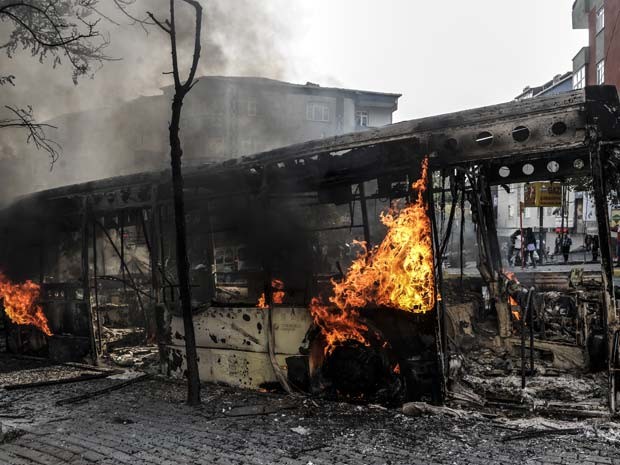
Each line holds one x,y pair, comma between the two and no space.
511,211
600,19
579,78
317,112
361,118
600,72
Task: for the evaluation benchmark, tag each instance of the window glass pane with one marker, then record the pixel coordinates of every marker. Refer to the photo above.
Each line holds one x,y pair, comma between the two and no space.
579,78
600,19
600,72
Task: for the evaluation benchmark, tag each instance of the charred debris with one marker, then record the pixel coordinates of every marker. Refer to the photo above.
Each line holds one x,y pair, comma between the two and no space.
285,292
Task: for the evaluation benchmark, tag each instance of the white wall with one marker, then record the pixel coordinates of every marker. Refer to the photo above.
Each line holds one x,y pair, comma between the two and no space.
508,212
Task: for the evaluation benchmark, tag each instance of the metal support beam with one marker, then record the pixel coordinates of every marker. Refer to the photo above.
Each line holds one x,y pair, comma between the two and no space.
364,208
96,287
86,276
602,218
440,306
154,246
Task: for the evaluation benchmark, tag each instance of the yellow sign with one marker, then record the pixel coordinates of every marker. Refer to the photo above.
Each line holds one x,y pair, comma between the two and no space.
543,194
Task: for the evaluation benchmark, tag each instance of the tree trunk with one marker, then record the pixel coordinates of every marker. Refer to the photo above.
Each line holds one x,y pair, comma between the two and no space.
176,152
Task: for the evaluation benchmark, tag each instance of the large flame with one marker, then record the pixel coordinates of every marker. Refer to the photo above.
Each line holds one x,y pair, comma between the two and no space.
398,273
20,303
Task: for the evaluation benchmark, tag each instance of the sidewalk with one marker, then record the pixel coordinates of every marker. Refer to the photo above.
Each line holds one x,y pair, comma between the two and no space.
148,423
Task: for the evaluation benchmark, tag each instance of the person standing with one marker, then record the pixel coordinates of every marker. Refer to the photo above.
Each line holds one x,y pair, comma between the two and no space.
595,247
558,245
567,242
541,248
530,241
512,246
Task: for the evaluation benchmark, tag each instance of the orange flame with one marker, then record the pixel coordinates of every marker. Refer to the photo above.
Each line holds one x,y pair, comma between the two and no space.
513,303
20,303
398,273
511,300
277,295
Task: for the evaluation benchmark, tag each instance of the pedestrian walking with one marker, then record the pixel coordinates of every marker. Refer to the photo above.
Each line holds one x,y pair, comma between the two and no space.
558,245
541,248
567,242
595,247
530,239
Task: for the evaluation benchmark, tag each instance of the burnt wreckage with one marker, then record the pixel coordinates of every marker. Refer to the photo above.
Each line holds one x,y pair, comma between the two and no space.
269,233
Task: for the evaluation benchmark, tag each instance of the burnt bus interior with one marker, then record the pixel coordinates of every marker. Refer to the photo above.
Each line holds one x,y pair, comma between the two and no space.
268,233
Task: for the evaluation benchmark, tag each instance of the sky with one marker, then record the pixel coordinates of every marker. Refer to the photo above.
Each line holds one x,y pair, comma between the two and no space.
442,55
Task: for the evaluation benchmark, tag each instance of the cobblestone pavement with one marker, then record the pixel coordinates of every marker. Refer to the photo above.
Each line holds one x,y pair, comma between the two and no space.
148,423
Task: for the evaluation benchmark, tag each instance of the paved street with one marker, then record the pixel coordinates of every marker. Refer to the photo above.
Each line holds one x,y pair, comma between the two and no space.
148,423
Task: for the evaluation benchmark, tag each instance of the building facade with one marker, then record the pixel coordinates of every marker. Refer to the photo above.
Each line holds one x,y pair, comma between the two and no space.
223,118
599,61
228,117
560,83
578,211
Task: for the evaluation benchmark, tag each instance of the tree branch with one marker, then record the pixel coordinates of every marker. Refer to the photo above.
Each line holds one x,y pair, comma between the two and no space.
56,28
36,131
197,47
159,23
173,46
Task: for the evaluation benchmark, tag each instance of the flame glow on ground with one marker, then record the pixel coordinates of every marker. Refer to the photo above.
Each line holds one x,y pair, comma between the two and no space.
20,303
398,273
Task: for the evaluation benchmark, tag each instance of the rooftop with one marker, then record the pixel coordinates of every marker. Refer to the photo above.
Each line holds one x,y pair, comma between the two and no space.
547,86
268,82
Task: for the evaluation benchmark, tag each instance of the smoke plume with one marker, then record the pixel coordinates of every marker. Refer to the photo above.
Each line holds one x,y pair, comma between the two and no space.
239,37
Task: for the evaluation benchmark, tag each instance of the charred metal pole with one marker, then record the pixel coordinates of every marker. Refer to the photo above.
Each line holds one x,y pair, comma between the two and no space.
523,317
491,229
96,287
462,232
522,235
122,256
86,213
364,208
609,313
162,251
602,218
210,252
154,244
531,323
263,197
440,333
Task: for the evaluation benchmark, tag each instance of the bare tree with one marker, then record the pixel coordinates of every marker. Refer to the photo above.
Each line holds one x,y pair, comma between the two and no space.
54,30
181,89
22,118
